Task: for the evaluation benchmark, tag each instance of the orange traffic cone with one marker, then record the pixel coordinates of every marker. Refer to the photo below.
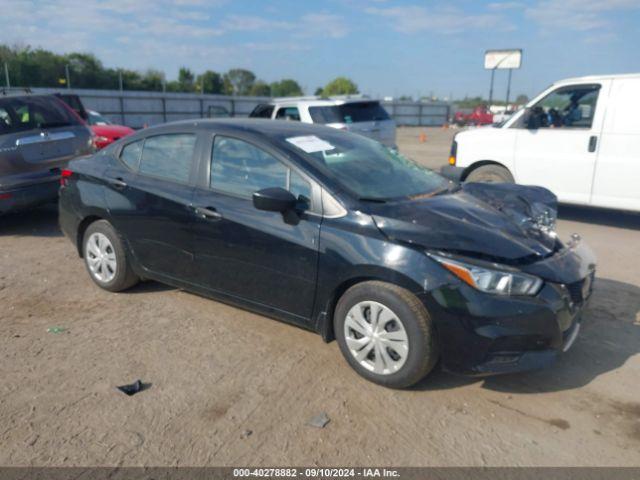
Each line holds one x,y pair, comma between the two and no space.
423,137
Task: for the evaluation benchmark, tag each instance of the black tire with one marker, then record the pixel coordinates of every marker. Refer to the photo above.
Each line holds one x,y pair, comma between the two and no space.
124,277
423,350
490,174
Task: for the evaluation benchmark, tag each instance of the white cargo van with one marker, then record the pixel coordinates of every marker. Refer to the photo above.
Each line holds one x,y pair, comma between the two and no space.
580,138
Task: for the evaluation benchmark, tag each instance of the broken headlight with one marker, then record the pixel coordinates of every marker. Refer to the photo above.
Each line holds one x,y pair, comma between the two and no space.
491,280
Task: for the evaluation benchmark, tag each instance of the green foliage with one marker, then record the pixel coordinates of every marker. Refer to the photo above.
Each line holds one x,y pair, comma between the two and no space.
210,82
340,86
318,91
239,81
286,88
41,68
260,89
522,99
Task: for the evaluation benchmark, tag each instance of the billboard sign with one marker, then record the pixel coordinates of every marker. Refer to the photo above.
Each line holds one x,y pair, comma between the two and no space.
502,59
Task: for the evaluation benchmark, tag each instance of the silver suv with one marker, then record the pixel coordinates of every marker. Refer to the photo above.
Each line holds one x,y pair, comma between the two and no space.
355,114
39,134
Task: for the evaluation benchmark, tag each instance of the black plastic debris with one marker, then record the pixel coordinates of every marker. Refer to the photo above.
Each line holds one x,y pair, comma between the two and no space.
319,421
133,388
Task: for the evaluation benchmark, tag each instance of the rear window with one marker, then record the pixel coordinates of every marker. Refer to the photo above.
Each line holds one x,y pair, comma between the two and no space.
18,114
168,156
262,111
349,113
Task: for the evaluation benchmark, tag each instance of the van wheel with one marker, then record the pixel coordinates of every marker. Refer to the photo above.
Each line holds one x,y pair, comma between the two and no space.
386,334
105,258
490,174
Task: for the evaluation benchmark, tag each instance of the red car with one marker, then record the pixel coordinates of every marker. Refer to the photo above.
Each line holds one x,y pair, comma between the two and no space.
105,131
479,116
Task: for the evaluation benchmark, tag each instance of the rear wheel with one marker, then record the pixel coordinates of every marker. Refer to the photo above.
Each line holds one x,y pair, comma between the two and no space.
105,258
386,334
490,174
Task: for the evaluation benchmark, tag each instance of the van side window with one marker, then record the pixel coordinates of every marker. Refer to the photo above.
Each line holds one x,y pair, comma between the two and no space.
168,156
130,154
288,113
566,107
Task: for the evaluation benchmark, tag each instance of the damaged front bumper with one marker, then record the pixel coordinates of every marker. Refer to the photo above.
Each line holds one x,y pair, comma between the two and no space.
482,334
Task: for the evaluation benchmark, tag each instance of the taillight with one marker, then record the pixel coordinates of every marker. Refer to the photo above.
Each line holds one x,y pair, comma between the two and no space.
65,175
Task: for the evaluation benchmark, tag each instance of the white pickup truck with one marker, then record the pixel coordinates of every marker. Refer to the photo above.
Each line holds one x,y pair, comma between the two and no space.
580,138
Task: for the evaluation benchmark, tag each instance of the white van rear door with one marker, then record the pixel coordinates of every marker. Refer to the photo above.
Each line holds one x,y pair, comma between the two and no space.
560,154
617,176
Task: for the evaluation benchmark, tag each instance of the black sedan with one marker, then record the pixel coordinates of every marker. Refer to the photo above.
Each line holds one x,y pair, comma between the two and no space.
336,233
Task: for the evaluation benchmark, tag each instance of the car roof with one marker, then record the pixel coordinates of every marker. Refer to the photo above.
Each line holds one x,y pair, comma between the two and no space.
258,126
595,78
320,101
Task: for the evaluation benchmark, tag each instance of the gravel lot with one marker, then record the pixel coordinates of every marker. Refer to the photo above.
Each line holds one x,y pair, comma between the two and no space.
218,372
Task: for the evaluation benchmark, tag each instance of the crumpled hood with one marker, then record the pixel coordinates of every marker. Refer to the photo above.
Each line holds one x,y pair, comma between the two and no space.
503,221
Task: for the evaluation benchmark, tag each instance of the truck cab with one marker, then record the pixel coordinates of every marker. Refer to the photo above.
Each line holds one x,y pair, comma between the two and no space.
580,138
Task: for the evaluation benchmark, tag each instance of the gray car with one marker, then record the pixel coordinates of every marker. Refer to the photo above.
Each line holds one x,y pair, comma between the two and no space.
39,134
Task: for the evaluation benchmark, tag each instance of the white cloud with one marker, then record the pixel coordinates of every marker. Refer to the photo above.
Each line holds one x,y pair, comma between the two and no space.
578,15
412,19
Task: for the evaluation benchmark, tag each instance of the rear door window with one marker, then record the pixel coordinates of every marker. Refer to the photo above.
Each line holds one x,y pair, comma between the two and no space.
168,156
288,113
18,114
349,113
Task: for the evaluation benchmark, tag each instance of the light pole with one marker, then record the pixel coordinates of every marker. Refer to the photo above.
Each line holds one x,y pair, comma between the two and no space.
66,71
6,75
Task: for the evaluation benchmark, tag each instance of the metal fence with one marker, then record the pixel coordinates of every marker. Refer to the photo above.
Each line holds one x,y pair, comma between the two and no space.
139,109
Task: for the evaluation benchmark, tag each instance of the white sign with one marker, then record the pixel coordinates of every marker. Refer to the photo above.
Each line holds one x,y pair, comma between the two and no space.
502,59
310,143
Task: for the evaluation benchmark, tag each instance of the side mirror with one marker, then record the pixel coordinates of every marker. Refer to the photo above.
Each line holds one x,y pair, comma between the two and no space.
274,199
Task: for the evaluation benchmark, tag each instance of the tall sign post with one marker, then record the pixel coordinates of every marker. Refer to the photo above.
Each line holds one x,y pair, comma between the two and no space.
502,60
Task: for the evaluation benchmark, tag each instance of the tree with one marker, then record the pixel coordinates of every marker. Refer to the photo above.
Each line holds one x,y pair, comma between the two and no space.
260,89
340,86
239,81
522,99
210,82
152,80
318,91
186,80
286,88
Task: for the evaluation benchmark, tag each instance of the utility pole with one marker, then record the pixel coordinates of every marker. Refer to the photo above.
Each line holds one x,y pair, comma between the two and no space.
493,72
120,79
66,71
6,75
509,88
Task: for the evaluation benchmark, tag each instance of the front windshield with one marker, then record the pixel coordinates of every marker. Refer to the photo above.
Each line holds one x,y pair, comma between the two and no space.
96,119
367,168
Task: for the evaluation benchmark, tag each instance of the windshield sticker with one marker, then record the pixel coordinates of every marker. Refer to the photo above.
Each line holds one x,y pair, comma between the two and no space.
310,143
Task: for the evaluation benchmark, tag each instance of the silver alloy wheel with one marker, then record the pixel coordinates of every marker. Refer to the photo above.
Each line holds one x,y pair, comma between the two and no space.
376,337
101,257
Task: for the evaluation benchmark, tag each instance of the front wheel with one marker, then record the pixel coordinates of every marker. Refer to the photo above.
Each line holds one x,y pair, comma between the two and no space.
490,174
386,334
105,258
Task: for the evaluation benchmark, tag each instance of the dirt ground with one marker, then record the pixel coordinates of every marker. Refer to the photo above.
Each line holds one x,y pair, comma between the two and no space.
218,372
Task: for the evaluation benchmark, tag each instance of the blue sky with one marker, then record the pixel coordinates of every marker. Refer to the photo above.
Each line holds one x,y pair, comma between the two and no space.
388,47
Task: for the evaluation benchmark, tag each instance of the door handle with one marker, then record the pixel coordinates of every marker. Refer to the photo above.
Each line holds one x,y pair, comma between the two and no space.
208,213
118,183
593,143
